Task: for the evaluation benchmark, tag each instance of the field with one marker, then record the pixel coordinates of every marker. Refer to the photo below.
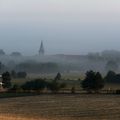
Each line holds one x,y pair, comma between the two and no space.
61,107
71,79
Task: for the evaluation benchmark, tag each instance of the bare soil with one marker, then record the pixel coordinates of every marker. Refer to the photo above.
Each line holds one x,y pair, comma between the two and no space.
61,107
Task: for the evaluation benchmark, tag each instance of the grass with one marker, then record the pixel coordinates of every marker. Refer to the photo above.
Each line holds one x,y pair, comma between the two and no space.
62,107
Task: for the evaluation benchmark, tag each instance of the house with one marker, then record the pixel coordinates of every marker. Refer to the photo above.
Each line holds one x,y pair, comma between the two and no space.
1,84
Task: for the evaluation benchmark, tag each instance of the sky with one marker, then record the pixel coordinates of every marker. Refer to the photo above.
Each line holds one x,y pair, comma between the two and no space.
65,26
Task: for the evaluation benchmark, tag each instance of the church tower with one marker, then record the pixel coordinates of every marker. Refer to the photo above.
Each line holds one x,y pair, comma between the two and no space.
41,50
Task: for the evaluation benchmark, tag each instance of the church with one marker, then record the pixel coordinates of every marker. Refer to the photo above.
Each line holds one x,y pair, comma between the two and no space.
41,50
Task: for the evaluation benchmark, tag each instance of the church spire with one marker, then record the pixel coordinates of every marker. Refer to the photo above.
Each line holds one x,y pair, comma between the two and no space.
41,50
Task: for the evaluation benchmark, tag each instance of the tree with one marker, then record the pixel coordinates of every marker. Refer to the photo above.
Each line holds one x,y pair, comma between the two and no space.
16,54
35,67
93,82
58,76
99,82
2,52
110,77
6,80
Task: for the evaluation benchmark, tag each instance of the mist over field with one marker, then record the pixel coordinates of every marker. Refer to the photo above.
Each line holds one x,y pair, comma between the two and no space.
102,62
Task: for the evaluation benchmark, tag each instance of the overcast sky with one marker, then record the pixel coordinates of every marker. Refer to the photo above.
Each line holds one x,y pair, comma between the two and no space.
65,26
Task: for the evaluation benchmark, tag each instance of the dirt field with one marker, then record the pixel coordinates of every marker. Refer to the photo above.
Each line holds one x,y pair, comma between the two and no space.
61,107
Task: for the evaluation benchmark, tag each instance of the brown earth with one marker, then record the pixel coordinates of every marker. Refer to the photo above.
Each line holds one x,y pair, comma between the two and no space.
61,107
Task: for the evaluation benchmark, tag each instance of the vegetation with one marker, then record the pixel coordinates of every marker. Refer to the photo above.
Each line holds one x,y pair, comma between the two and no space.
55,86
112,77
16,54
2,52
35,67
58,77
6,80
15,74
93,82
36,85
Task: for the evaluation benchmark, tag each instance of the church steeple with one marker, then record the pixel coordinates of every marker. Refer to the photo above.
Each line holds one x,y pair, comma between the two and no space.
41,50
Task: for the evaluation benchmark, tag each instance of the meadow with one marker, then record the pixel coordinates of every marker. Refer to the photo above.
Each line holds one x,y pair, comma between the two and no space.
61,107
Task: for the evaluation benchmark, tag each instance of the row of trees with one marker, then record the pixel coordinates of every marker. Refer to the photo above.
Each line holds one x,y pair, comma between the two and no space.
39,85
34,67
2,53
92,83
20,74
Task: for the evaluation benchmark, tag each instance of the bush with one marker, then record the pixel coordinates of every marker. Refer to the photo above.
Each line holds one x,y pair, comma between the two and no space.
36,85
55,86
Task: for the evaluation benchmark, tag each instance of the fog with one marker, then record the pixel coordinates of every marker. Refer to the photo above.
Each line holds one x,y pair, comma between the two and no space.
65,26
102,62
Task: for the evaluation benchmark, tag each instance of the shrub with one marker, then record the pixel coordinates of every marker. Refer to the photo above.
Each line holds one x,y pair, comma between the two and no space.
36,85
55,86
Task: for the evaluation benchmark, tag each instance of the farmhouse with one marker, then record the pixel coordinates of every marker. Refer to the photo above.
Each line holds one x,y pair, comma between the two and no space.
1,84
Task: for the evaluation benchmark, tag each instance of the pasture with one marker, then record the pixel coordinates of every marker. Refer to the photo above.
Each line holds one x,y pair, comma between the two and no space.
61,107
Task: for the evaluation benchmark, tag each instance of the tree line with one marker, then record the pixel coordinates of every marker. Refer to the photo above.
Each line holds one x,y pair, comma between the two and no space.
92,83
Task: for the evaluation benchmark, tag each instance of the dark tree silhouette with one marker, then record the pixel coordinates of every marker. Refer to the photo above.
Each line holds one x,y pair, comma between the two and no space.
2,52
99,82
112,77
37,85
93,82
58,76
16,54
6,80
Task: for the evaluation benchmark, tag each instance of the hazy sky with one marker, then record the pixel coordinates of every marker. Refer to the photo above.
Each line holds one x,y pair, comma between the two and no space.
65,26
